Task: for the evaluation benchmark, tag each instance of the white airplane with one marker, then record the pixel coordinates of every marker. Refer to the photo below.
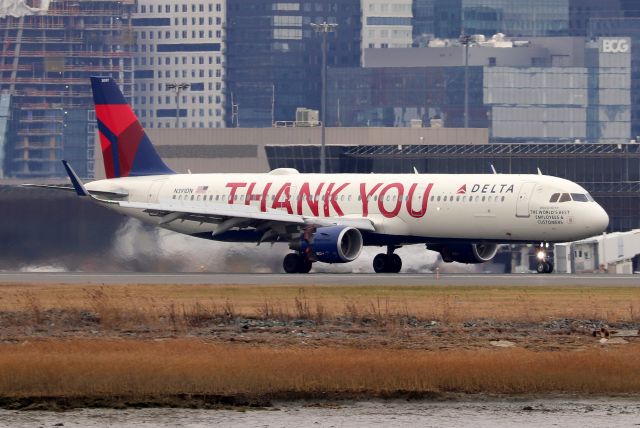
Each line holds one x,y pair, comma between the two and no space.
328,218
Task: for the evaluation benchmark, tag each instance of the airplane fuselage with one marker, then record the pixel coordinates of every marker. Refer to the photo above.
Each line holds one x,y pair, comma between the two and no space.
404,208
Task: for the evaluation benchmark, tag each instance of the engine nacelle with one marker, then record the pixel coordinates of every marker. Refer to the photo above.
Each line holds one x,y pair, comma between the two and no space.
331,244
469,253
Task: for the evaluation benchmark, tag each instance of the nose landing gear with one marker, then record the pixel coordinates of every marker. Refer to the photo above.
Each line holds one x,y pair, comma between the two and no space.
387,263
543,258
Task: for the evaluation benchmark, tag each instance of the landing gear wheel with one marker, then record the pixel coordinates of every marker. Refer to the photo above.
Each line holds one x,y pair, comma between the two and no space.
387,263
305,266
542,267
292,263
296,263
380,262
395,264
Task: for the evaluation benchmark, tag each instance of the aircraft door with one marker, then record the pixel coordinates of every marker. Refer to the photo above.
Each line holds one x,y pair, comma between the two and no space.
154,191
524,197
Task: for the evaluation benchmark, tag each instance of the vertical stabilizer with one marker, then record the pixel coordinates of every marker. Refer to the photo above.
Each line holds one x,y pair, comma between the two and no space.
126,149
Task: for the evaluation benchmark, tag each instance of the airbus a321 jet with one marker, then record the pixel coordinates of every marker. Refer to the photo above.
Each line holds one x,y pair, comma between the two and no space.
328,218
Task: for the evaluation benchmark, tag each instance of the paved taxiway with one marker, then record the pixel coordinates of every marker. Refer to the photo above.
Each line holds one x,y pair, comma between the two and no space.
321,279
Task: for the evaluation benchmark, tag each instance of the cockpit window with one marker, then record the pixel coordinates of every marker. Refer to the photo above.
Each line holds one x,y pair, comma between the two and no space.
579,197
590,198
565,197
554,197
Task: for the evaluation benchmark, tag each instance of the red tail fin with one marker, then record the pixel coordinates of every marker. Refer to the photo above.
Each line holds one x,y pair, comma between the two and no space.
126,149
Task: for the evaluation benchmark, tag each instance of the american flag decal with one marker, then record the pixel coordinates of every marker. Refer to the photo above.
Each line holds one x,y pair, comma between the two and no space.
201,189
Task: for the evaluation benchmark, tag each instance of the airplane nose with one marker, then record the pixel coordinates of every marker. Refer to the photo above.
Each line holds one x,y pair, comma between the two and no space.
600,219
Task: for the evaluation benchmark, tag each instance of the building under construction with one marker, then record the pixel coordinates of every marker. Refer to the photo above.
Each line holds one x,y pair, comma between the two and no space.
49,49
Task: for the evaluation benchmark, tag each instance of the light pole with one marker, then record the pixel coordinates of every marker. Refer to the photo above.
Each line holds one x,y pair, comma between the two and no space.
178,87
465,39
324,29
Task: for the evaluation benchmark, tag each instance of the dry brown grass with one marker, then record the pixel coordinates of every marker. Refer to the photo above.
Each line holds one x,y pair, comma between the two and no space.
190,305
102,368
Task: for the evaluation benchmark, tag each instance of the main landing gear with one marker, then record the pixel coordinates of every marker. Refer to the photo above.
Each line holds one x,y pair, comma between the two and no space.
296,263
543,257
387,263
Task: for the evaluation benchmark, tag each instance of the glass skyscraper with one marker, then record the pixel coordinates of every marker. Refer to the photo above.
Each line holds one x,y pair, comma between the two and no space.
274,57
450,18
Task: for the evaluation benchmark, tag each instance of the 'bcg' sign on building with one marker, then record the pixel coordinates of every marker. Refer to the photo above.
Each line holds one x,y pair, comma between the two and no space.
615,45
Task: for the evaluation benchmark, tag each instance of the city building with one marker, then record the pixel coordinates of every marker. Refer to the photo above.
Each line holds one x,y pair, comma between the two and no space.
274,57
48,52
451,18
545,89
179,76
387,23
623,28
423,22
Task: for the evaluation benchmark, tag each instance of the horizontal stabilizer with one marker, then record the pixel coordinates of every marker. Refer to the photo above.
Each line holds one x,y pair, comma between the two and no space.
77,184
101,193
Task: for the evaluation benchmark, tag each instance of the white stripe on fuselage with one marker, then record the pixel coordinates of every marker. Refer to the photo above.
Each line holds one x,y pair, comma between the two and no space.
474,207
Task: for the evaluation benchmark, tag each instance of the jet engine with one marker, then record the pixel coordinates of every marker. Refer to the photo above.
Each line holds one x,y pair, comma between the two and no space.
466,252
331,244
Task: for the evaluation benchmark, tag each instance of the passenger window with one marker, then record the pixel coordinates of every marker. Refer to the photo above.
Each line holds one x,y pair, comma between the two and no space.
174,196
503,199
457,198
483,199
565,198
180,197
579,197
554,197
359,197
192,196
217,197
432,198
438,199
198,198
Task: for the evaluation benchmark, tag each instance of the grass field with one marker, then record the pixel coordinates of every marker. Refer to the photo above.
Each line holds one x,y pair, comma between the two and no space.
138,369
319,302
147,342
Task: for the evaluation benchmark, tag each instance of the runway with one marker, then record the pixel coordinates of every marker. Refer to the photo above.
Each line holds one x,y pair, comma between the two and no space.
322,279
